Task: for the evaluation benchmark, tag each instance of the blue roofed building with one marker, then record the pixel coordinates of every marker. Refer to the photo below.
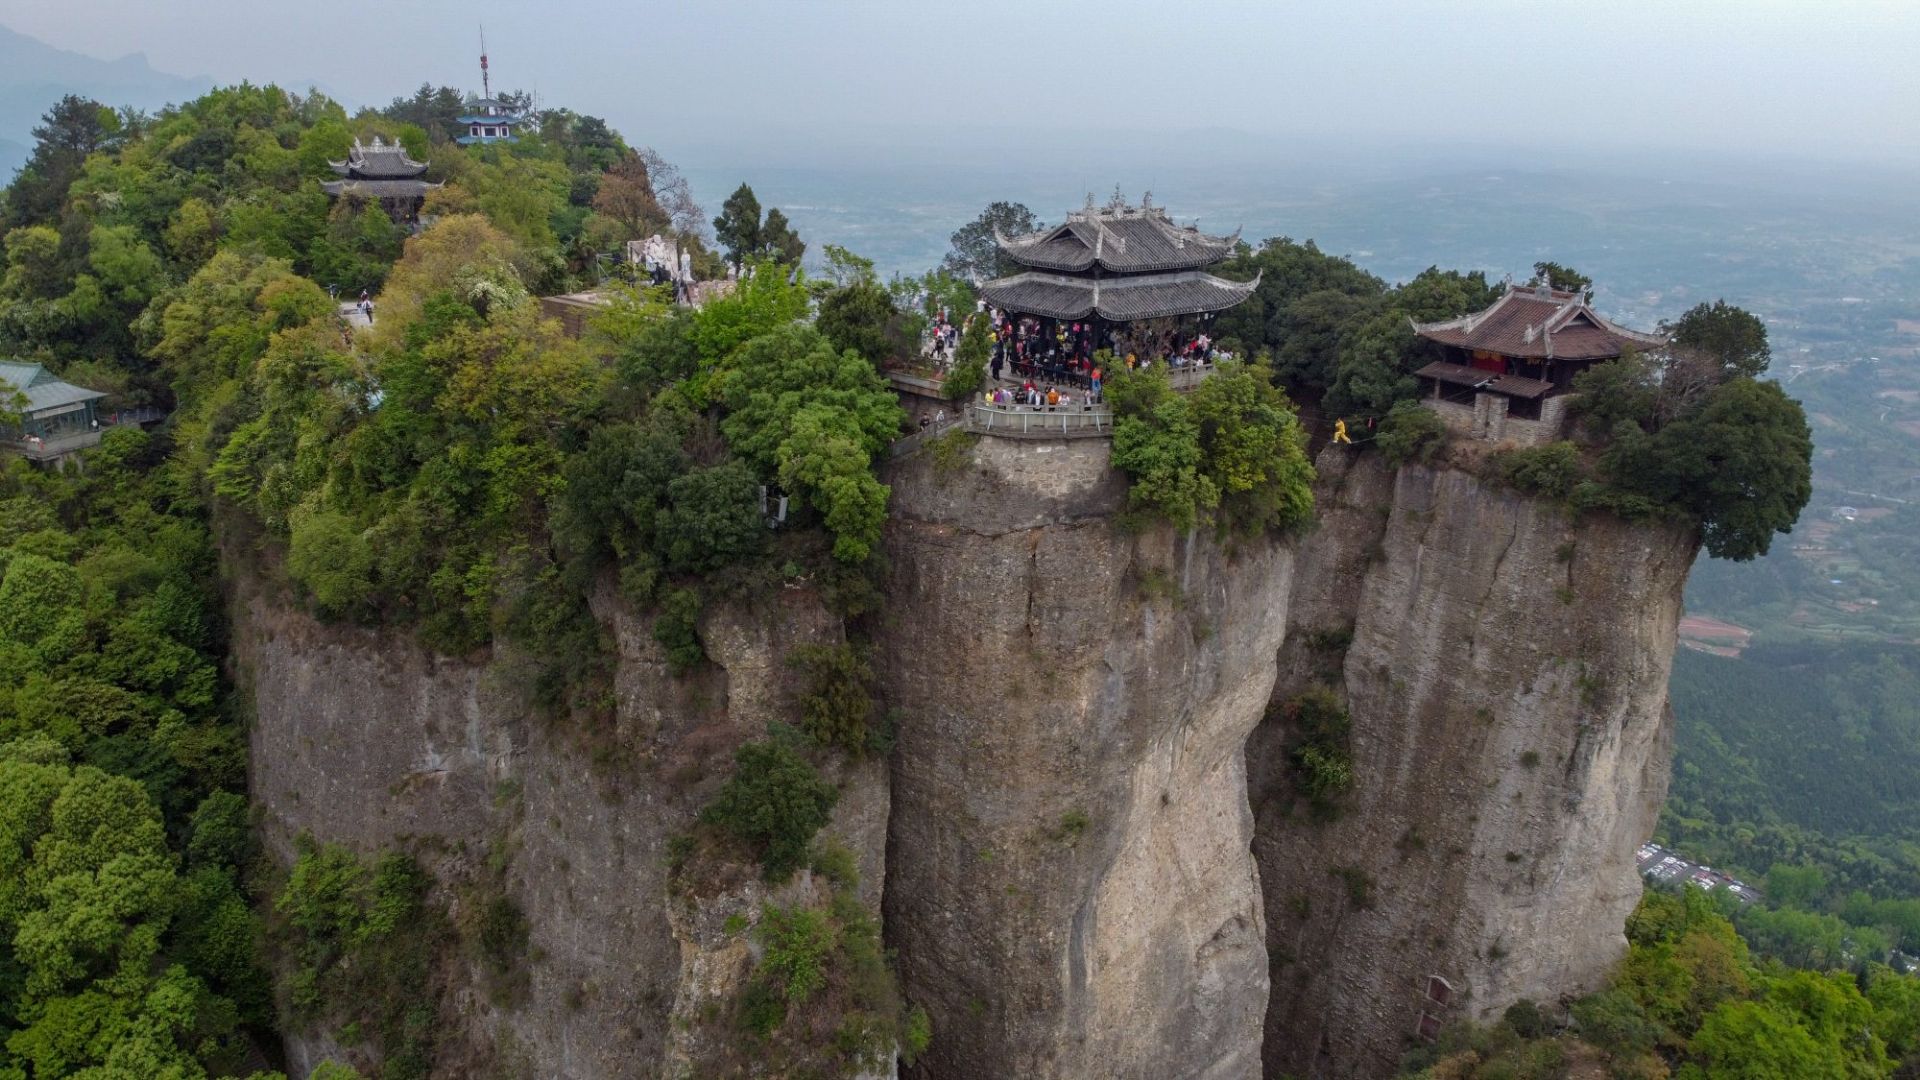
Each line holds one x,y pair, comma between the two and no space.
42,415
489,120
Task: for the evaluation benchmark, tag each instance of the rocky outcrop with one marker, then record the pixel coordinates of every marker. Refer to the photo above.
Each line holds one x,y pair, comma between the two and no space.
1070,886
366,739
1505,671
1096,856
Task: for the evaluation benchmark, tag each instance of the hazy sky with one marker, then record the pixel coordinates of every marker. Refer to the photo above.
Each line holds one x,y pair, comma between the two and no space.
1816,78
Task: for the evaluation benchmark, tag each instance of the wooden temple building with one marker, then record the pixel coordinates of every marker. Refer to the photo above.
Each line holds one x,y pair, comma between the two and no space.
382,173
1505,370
1115,265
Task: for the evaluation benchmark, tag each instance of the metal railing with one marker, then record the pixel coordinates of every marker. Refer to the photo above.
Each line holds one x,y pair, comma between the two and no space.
47,448
907,444
1041,421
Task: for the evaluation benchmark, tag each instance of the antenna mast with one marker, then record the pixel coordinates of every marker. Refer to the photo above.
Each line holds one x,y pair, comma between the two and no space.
486,90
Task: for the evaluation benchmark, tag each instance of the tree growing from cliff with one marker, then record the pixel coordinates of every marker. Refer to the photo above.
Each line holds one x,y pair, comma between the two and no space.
1734,338
773,803
1230,454
1741,466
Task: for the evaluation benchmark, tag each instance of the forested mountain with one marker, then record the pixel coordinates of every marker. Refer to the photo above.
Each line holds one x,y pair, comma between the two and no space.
464,476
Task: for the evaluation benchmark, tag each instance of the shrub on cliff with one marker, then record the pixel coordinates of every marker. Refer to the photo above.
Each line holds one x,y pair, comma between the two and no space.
1229,454
1320,750
773,803
836,697
1410,432
1551,470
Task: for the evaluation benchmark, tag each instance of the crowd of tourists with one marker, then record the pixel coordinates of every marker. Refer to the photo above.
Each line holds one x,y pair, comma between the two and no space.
1047,364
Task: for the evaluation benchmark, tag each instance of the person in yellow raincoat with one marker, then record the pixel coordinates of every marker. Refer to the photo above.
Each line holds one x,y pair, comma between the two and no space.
1340,432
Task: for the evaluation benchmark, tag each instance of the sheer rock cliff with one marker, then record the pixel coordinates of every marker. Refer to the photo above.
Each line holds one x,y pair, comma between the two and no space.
1069,877
1505,670
1088,844
366,739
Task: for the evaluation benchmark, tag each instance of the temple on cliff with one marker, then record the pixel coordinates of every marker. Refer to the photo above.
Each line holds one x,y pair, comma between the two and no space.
1525,348
381,173
1116,264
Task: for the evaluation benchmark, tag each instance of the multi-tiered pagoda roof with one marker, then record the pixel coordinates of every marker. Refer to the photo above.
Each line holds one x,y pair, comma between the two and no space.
382,173
379,171
1118,263
488,120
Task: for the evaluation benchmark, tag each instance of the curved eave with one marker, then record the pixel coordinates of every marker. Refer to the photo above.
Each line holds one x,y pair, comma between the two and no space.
1120,300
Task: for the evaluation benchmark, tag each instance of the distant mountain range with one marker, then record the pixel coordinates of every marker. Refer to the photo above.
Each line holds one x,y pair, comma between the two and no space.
34,75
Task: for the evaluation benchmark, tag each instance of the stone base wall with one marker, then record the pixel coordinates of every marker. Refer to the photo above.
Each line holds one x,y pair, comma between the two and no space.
1487,419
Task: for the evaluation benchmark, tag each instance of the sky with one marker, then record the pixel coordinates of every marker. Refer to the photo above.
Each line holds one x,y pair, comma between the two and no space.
769,81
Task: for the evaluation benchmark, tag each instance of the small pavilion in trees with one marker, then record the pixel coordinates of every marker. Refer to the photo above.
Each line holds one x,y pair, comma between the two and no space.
1525,349
488,119
1116,266
382,173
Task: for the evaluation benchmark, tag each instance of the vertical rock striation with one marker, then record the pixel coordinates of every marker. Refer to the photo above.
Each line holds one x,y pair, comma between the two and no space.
366,739
1097,859
1505,670
1069,882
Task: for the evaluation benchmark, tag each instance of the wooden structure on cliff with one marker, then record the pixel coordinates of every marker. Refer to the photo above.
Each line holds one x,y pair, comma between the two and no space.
1114,265
1516,359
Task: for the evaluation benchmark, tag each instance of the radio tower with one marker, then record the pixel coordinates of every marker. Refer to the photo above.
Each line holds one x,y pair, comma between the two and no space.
486,90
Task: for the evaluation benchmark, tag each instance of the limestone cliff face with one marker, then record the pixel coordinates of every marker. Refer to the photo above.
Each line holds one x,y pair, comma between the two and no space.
1506,679
363,738
1095,858
1070,885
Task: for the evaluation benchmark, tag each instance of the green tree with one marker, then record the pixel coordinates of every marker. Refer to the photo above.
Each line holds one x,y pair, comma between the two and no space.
969,371
976,254
774,802
860,317
712,518
1740,465
74,128
1229,454
1564,278
778,239
1734,338
737,227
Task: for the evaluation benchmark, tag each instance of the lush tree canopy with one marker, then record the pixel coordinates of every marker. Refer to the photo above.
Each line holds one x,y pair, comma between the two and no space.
976,254
1230,453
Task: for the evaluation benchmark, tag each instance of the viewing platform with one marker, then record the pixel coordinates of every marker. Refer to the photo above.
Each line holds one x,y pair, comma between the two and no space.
57,447
924,395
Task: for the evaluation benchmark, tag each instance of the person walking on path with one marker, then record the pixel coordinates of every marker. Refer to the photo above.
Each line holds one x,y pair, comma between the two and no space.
1340,432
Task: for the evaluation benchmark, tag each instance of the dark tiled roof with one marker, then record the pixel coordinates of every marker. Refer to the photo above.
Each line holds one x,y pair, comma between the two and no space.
1539,324
1462,375
381,161
1147,296
1121,238
378,189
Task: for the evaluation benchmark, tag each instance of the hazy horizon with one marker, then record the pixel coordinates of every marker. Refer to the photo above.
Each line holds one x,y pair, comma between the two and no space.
1220,82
